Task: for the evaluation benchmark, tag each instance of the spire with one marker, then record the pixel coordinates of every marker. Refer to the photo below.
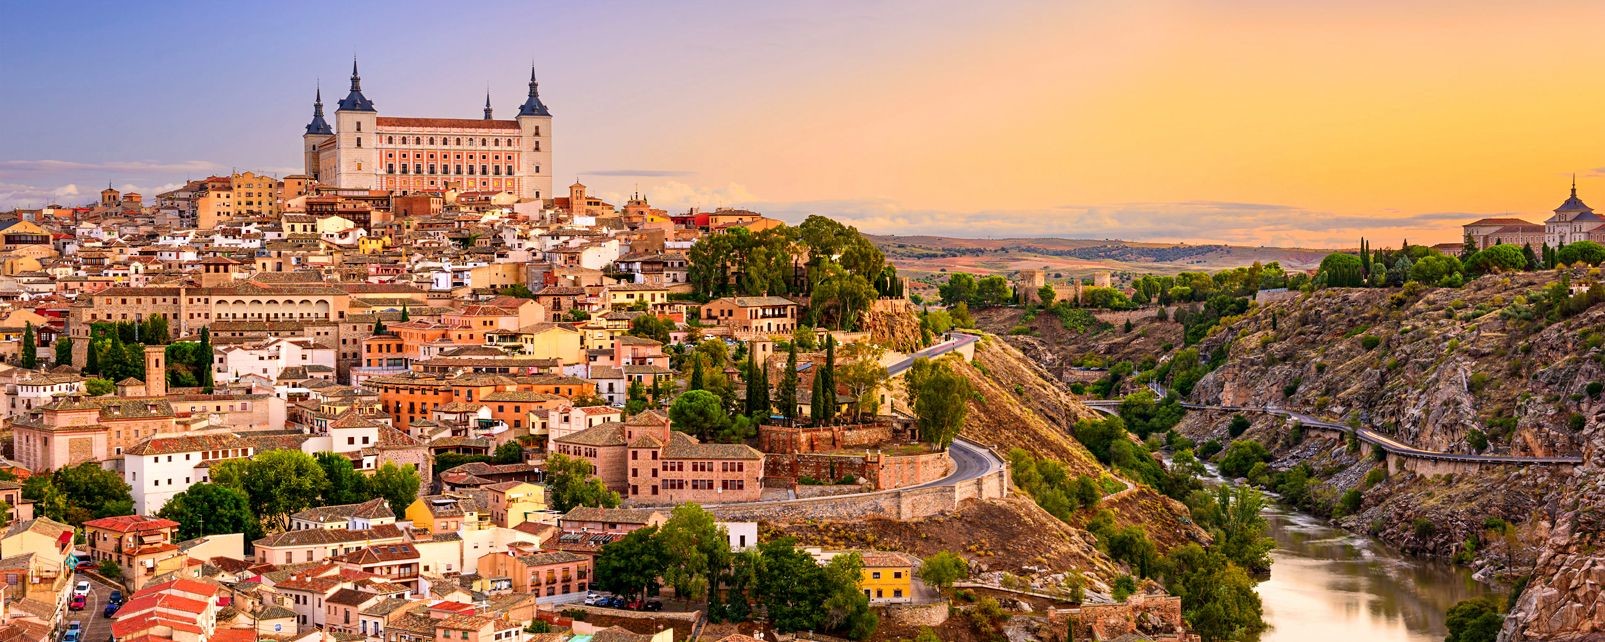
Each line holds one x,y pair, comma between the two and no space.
487,103
355,101
1574,184
318,124
533,105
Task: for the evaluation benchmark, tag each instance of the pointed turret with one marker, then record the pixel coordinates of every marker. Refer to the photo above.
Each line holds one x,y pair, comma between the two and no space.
533,106
1573,204
318,124
487,104
355,101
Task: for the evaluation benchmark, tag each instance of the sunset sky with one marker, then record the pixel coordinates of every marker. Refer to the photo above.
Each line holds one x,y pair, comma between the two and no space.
1242,121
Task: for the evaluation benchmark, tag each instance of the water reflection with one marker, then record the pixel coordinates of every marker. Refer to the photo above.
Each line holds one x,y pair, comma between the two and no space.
1328,584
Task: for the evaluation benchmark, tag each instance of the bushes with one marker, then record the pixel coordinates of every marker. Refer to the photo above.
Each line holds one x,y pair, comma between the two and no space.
1349,504
1241,456
1051,486
1370,341
1238,426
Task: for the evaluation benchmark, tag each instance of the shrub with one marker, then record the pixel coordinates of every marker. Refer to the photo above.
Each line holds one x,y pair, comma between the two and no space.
1594,388
1375,476
1124,586
1478,440
1238,426
1370,341
1424,527
1350,502
1576,421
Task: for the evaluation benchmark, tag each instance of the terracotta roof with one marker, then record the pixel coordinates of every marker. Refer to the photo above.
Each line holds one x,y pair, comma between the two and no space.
446,123
131,523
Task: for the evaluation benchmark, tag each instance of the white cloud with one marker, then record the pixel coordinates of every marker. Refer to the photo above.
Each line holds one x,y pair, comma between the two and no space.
15,167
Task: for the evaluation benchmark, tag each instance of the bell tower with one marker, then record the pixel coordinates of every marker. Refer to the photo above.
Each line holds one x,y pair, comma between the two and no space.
355,122
156,371
318,132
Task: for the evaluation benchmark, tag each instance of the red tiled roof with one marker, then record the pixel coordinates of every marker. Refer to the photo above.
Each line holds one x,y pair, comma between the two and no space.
455,123
127,523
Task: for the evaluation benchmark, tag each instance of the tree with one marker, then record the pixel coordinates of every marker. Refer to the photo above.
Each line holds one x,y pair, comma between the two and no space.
786,395
48,501
700,413
862,375
569,484
204,359
1241,456
846,607
92,492
211,509
992,291
1581,252
944,568
630,566
1342,270
278,483
757,374
63,350
30,350
398,485
825,384
406,316
345,485
960,288
695,382
92,360
697,550
941,400
1241,534
1047,294
508,453
97,387
651,326
1474,620
1497,259
379,327
791,585
1218,597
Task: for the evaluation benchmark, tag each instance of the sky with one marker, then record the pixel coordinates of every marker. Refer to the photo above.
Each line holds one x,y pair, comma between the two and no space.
1253,122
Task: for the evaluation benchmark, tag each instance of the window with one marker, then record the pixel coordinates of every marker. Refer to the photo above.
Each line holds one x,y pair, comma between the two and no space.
359,141
359,128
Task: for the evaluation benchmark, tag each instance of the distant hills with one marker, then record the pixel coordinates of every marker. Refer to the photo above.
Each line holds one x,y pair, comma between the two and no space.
924,255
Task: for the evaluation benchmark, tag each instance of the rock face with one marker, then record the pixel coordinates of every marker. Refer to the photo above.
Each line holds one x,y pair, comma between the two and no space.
1565,600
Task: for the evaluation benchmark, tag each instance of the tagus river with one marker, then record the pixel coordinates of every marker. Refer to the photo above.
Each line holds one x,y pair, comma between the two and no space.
1328,584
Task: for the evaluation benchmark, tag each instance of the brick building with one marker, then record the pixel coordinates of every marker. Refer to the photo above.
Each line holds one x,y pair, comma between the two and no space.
649,463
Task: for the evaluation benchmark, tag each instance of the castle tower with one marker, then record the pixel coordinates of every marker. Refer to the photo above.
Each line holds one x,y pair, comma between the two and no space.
318,132
355,127
535,143
576,199
156,371
109,197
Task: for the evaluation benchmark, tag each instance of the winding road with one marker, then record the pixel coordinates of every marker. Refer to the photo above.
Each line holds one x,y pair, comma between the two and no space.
1367,435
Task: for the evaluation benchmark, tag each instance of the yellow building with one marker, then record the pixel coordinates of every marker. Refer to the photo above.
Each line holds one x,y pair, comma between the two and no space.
888,577
541,341
255,194
515,502
373,245
636,295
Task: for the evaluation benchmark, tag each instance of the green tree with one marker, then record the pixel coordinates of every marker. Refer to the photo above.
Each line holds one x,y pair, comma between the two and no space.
1342,270
406,316
943,568
786,394
992,291
699,413
379,327
278,483
696,548
63,347
1474,620
204,359
825,383
97,387
345,485
757,374
508,453
1218,597
846,607
92,492
211,509
1242,533
695,382
941,400
1581,252
30,349
1497,259
960,288
862,375
1241,456
48,501
397,484
569,484
631,566
1047,294
790,585
651,326
1434,268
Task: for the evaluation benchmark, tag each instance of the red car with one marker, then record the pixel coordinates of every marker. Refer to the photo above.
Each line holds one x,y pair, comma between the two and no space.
77,603
86,565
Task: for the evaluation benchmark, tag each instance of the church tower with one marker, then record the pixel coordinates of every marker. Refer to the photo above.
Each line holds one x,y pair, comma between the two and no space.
318,132
535,143
356,136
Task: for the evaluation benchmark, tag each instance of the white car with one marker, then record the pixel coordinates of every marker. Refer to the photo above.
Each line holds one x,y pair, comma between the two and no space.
82,588
592,597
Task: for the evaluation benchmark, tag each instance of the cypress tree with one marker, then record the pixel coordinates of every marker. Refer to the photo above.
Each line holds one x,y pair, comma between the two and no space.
787,394
762,412
696,373
378,327
827,398
63,350
816,402
92,362
30,350
203,357
405,317
752,384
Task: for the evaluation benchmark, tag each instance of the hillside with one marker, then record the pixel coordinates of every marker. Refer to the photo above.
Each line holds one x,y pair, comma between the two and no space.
925,255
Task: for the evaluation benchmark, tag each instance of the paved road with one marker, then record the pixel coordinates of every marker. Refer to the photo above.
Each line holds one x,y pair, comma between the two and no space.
959,340
1367,435
96,628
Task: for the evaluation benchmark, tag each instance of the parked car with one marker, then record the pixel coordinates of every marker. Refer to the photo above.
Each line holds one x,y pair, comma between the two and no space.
652,605
116,598
75,632
86,565
110,610
615,602
77,603
82,588
592,598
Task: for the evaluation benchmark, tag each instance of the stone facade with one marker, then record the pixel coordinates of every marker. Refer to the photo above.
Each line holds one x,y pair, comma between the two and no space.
1155,617
786,439
881,471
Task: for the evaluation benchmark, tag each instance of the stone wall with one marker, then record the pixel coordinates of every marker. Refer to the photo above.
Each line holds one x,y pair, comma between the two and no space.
1158,617
928,614
883,472
785,439
901,504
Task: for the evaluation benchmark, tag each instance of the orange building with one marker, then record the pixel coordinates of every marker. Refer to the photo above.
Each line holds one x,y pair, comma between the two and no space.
413,396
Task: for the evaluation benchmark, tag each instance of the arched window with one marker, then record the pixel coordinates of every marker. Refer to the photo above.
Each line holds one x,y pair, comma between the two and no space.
431,140
392,140
417,140
481,142
498,142
459,141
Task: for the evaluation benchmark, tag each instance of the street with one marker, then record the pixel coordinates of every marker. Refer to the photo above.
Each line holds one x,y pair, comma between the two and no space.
96,628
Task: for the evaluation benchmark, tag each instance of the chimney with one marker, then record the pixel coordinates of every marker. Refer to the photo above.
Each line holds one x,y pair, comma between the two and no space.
156,371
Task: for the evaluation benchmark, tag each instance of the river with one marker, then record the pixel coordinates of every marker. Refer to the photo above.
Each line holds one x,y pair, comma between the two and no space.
1328,584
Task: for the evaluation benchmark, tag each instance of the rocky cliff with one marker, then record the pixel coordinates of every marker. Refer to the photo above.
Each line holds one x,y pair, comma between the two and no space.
1565,599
